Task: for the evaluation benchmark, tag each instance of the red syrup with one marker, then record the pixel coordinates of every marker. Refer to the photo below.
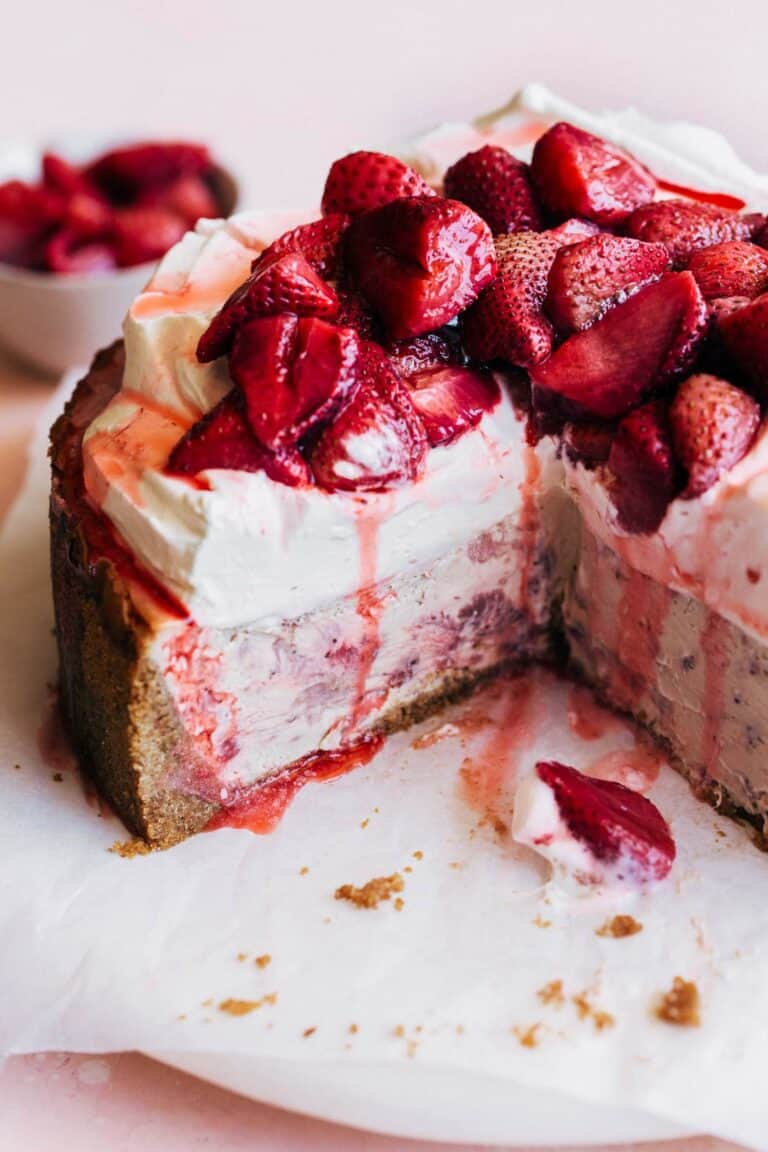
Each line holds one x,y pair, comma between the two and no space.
261,807
717,199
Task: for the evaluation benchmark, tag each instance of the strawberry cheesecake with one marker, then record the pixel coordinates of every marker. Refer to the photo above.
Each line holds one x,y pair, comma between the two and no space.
498,406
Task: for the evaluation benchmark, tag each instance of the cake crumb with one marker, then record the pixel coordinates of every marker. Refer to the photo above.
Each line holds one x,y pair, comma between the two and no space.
303,871
455,864
127,849
353,1029
459,1029
182,1016
242,957
263,961
407,868
399,1031
418,855
309,1032
370,895
17,767
552,993
540,922
680,1005
619,926
399,904
364,823
235,1007
528,1037
586,1010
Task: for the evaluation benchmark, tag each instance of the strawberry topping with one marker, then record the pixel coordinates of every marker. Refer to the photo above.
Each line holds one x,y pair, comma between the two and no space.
496,186
744,334
451,400
364,180
318,242
734,268
145,234
578,174
644,468
713,425
125,173
419,262
586,279
423,352
638,345
588,444
683,227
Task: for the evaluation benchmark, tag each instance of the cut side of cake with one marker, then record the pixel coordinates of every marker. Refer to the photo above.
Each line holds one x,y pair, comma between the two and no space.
499,408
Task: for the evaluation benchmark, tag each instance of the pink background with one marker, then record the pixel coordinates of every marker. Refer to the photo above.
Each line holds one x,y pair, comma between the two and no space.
281,89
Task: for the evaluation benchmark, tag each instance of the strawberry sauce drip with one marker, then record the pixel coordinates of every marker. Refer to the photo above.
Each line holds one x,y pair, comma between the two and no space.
261,807
586,718
718,199
528,522
369,609
642,611
714,687
636,768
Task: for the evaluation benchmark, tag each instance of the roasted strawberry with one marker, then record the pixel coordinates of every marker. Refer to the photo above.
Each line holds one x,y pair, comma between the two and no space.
621,837
27,216
62,176
364,180
642,460
286,284
586,279
744,334
496,186
637,346
187,196
733,268
683,227
66,252
419,262
125,173
88,216
353,312
573,230
725,306
319,242
377,441
451,400
145,234
434,350
588,444
760,233
293,372
713,425
578,174
223,439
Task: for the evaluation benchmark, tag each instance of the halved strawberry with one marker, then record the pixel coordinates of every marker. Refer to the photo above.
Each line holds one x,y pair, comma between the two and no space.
419,353
578,174
638,345
420,261
493,183
586,279
451,400
223,439
733,268
88,215
622,835
125,173
588,444
144,234
286,284
187,196
724,306
573,230
319,242
744,335
364,180
645,471
713,425
377,440
68,253
293,372
683,227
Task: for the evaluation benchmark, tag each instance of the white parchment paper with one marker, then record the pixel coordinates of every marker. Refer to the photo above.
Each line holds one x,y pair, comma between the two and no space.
102,953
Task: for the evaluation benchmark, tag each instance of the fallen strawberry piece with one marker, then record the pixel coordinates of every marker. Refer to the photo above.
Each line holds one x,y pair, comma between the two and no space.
419,353
125,173
377,440
644,468
713,425
733,268
223,439
364,180
419,262
578,174
319,242
683,227
588,278
588,444
451,400
63,177
286,284
638,345
744,334
293,372
493,183
187,196
142,235
66,252
593,831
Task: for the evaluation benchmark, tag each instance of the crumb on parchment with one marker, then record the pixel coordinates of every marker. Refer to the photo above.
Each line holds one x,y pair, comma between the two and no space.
587,1011
263,961
370,895
127,849
528,1037
680,1005
552,993
234,1007
619,926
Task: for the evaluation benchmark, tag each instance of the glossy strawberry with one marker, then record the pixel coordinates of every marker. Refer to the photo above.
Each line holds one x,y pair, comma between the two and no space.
637,346
713,425
588,444
733,268
645,472
420,353
364,180
377,441
293,372
619,828
88,216
141,235
353,312
419,262
451,400
223,439
760,233
573,230
66,252
187,196
28,215
319,242
744,335
125,173
496,186
62,176
285,284
578,174
588,278
683,227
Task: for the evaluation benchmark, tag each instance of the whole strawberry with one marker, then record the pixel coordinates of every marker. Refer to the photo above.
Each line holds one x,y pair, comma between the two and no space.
713,425
364,180
683,227
733,268
498,187
645,473
319,242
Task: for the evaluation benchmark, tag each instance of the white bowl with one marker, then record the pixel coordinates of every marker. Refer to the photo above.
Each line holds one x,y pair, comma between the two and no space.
54,322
